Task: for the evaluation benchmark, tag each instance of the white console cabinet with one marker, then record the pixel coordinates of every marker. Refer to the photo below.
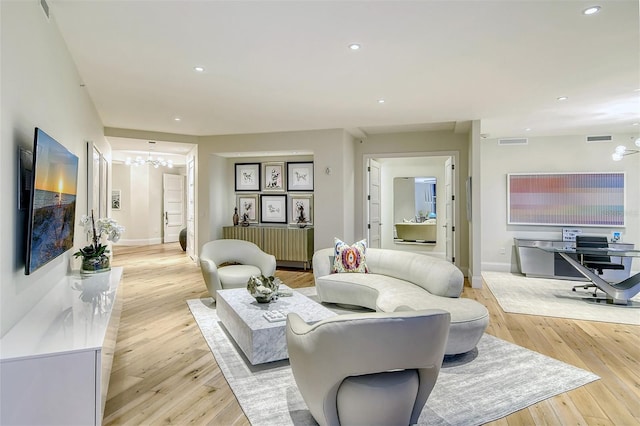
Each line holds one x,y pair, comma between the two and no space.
55,363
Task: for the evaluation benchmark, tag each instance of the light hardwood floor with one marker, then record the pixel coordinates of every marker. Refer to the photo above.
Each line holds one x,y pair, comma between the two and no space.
164,373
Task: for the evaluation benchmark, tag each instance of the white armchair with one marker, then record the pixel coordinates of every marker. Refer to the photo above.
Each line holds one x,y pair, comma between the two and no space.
244,260
368,369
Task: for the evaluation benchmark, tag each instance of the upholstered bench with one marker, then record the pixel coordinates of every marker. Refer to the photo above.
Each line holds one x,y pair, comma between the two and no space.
398,281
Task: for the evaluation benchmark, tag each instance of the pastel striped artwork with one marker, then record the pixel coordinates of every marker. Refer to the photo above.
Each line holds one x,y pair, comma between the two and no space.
580,199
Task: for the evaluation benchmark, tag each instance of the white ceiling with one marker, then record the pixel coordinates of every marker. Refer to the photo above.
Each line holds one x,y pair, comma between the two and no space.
281,66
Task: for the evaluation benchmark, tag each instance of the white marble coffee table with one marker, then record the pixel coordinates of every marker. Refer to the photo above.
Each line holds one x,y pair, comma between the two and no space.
260,340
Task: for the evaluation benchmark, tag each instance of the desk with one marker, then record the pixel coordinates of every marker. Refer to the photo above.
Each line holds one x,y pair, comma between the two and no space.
618,293
547,264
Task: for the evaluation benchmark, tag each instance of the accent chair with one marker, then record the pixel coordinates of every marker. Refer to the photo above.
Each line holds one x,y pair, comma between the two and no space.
229,263
372,368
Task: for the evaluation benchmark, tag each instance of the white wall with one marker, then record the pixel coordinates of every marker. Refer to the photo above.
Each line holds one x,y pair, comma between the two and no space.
403,199
347,185
40,88
475,203
548,154
332,192
436,143
230,177
141,202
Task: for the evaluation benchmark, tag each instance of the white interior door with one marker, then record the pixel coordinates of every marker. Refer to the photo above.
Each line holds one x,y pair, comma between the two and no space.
173,196
373,203
449,182
191,215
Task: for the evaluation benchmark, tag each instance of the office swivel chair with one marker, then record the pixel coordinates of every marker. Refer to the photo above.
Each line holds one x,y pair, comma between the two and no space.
595,262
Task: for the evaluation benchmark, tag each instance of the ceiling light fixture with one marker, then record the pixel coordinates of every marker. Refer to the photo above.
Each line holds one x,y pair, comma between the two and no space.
622,151
380,101
155,162
562,98
354,46
198,69
591,10
177,119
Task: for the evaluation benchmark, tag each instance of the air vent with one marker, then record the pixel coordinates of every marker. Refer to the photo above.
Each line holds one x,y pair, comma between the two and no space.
45,8
591,139
513,141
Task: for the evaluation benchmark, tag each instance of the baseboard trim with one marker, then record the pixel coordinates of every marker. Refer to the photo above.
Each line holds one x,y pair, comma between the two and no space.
139,242
476,281
498,267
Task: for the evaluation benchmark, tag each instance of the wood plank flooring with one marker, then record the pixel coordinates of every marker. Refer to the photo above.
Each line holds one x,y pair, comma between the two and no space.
164,373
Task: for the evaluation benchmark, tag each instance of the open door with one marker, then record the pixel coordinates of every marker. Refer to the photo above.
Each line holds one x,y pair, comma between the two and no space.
373,203
450,197
173,200
191,210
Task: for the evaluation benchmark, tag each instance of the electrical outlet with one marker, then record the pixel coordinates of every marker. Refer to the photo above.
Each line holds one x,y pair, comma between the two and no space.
502,250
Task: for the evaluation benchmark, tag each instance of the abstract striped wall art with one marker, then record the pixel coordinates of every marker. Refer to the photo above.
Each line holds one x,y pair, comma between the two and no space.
577,199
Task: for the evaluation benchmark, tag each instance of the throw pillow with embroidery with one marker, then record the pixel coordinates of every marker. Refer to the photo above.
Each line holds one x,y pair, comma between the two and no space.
350,258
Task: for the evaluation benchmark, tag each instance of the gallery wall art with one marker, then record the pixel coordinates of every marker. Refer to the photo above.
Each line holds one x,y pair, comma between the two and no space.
275,192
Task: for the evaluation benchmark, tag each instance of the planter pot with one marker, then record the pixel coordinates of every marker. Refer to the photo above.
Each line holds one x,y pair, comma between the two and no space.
94,265
183,239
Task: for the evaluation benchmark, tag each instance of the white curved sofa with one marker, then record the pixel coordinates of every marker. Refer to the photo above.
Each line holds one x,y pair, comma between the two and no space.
400,281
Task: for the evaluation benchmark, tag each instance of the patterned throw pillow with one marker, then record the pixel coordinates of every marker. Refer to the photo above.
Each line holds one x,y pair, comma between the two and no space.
350,258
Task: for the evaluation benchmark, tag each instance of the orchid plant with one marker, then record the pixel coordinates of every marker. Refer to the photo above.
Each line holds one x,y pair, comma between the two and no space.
103,227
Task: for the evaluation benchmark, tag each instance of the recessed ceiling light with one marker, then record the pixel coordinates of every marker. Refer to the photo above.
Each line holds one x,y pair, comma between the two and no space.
380,101
591,10
562,98
636,124
528,129
177,119
198,69
354,46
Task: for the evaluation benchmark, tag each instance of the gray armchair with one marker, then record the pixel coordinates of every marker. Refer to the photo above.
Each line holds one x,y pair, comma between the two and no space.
230,263
370,369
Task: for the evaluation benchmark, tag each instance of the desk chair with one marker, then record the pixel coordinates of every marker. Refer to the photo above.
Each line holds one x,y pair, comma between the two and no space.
596,262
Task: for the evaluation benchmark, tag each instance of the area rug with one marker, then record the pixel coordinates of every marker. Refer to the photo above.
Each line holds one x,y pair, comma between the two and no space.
496,379
554,298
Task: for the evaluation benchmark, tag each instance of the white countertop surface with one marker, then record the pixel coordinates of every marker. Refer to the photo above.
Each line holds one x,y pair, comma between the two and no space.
73,316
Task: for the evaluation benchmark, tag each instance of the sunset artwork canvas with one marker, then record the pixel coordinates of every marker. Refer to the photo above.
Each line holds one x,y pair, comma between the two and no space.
53,203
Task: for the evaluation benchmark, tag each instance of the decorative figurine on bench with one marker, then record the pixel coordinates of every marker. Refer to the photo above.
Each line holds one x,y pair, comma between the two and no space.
245,219
302,220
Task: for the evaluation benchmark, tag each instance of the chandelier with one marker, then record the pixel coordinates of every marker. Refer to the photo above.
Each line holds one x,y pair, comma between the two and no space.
155,162
622,151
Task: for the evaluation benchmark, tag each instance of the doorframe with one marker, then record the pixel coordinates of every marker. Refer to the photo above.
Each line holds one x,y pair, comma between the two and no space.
456,173
368,203
192,198
165,177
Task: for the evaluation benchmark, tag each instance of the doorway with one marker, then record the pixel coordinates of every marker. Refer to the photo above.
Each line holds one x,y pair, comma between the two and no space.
444,217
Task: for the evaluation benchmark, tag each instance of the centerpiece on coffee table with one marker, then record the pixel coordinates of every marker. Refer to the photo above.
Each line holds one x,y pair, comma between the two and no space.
263,289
